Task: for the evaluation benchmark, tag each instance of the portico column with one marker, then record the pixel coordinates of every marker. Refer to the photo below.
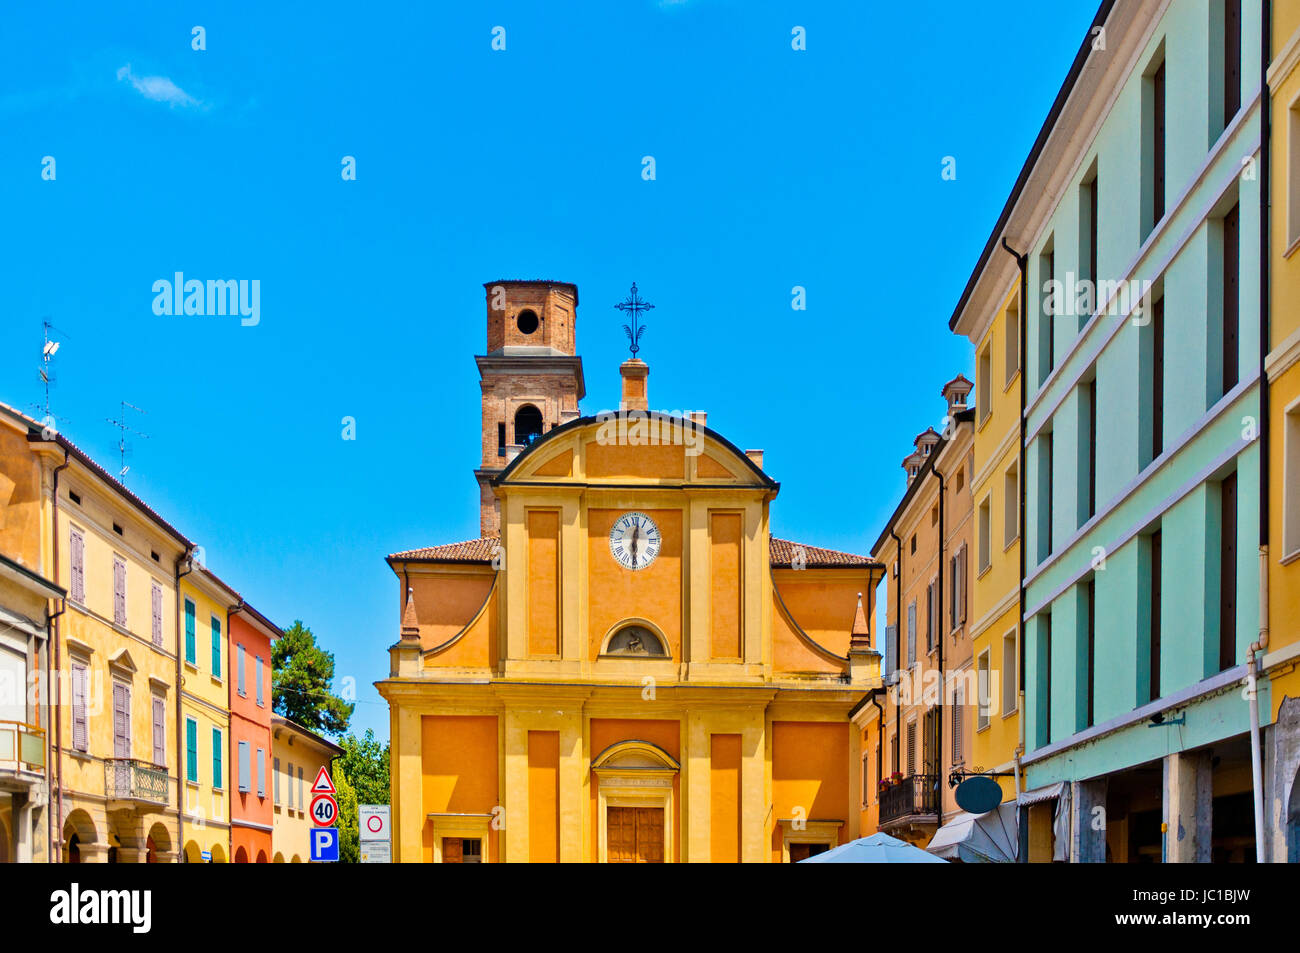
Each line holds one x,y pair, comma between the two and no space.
1188,807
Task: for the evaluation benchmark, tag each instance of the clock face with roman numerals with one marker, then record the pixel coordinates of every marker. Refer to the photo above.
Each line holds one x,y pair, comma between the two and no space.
635,540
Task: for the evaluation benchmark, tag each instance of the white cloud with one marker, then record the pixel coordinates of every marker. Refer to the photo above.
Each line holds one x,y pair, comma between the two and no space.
158,88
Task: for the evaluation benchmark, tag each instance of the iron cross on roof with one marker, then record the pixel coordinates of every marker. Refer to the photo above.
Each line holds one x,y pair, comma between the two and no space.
634,305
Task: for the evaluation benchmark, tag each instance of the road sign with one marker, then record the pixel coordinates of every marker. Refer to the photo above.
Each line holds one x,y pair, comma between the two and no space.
376,852
323,784
324,810
373,822
325,844
206,855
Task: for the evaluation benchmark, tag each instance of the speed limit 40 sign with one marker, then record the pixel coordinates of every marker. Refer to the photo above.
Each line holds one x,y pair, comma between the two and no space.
324,810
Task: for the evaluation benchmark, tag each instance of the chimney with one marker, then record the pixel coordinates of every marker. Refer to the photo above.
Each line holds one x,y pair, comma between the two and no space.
955,392
700,417
755,457
634,373
513,450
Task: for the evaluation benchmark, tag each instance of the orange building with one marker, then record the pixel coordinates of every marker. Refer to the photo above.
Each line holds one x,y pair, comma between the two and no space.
626,666
251,814
915,731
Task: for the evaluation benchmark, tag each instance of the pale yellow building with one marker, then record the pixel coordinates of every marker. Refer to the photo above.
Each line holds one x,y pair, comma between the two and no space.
298,755
112,763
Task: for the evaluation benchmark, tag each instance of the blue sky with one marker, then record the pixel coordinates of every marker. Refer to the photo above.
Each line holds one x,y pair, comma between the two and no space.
775,168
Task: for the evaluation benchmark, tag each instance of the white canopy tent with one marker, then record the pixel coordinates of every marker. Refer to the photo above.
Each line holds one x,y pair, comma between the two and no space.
990,838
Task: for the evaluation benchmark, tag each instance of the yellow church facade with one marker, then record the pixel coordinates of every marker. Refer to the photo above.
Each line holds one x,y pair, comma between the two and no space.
626,666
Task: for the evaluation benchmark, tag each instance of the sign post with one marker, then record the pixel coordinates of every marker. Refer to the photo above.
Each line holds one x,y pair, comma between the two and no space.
373,833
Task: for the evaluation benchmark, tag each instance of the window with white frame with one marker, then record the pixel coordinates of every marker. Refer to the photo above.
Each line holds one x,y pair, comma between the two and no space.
1010,505
1010,665
985,530
1293,174
1291,481
982,686
1012,338
911,634
983,375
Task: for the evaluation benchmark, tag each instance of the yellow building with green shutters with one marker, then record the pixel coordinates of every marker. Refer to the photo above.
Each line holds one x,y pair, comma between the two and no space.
204,728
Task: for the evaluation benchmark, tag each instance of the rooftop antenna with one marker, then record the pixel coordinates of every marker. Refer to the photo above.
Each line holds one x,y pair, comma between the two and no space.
48,350
123,449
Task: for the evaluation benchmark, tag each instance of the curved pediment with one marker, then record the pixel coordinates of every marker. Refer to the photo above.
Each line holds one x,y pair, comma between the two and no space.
634,446
635,756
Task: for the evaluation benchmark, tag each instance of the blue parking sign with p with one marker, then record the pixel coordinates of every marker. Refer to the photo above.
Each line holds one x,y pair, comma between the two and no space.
325,844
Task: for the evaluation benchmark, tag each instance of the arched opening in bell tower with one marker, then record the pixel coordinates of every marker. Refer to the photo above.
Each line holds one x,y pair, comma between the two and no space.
528,424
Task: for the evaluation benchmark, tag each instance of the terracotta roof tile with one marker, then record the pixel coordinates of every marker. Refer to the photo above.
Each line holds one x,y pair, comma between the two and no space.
482,550
479,550
783,551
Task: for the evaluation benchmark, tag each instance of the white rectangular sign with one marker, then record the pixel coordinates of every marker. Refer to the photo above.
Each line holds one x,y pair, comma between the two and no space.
373,823
376,852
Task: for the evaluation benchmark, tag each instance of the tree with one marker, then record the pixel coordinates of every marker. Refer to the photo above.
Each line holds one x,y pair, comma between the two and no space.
302,675
361,775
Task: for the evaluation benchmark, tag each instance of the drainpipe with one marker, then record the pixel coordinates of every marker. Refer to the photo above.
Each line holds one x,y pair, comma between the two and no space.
880,733
58,681
938,637
51,624
898,648
185,559
1022,262
1260,644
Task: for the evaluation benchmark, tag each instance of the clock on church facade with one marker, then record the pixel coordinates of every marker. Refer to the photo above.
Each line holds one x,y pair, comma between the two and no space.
625,666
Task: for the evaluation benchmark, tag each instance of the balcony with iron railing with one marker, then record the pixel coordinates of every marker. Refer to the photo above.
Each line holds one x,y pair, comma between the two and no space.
912,799
126,779
22,753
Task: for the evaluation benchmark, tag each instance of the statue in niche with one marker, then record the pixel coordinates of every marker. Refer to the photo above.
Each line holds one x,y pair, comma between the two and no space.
636,640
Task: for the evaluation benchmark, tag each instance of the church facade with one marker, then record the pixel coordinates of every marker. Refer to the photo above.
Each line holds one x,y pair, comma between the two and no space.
626,666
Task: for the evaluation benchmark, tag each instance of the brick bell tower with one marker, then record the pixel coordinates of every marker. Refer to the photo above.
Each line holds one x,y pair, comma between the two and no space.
531,377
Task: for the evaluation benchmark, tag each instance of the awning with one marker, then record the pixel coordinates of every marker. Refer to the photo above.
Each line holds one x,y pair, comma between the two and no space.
1060,817
1038,795
20,622
979,839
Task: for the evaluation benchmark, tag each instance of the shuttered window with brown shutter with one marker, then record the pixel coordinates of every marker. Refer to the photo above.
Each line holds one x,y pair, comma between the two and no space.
78,556
121,720
159,732
79,733
157,627
119,590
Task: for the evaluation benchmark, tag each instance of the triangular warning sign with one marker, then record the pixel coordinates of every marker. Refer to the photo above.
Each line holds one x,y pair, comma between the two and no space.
323,783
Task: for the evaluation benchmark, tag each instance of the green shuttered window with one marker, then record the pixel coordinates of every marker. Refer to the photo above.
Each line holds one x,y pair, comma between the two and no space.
191,652
191,750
